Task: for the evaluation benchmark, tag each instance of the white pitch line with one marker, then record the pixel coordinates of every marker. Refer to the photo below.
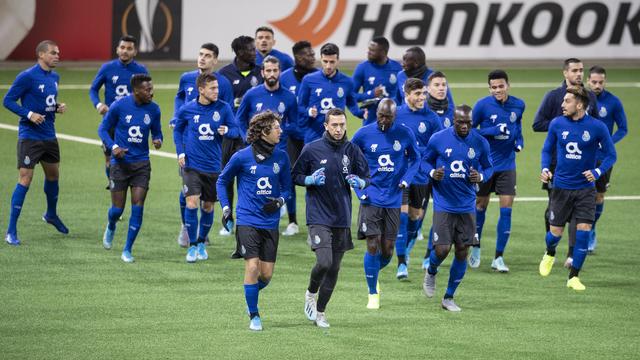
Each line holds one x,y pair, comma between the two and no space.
549,85
84,140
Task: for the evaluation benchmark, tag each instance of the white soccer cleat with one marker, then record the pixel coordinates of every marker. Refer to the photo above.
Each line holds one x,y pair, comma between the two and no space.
498,265
183,237
291,230
429,284
450,305
321,321
310,305
224,232
474,258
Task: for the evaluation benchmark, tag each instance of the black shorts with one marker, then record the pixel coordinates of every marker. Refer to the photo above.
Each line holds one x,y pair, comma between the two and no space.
294,148
30,152
125,175
602,184
565,204
105,149
450,228
230,147
322,236
374,221
198,183
416,196
253,242
501,183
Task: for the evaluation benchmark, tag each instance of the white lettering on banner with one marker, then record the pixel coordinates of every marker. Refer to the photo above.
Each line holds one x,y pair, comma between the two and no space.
449,29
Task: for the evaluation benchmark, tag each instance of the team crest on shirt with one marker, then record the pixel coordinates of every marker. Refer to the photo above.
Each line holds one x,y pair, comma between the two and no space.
471,154
396,145
393,79
422,128
281,107
602,112
586,136
345,164
513,117
276,168
447,122
340,92
115,78
259,107
216,116
147,119
254,81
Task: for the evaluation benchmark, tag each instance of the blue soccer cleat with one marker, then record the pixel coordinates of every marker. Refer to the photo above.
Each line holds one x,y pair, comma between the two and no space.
12,239
255,324
126,256
56,222
201,253
107,238
192,254
403,272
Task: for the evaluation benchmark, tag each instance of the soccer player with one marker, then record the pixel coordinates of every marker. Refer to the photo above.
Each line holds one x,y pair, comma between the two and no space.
576,137
37,91
498,118
199,129
377,77
243,74
424,123
278,99
188,91
414,65
115,75
264,182
457,159
550,108
305,59
439,99
325,90
265,39
392,155
131,118
329,167
611,111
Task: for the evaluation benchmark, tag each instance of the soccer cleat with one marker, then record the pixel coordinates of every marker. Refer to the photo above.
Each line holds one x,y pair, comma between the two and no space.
126,256
192,254
450,305
56,222
255,324
403,272
425,264
568,263
374,301
107,238
498,265
575,284
429,284
593,241
546,265
291,230
474,258
225,232
321,321
12,239
419,237
310,305
202,252
183,237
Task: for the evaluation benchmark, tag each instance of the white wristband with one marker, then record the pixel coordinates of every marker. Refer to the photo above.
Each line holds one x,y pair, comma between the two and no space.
431,172
181,156
98,106
598,171
115,146
29,115
481,178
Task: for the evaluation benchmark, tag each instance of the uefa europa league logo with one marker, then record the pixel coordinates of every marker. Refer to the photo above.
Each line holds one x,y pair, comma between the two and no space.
145,10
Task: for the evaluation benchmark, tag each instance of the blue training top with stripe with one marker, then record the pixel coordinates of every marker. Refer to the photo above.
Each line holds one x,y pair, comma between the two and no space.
116,78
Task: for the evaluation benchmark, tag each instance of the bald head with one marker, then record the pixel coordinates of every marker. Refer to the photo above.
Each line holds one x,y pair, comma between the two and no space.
386,113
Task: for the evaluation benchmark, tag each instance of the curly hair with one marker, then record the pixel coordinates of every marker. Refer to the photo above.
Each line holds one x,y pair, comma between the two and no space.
261,123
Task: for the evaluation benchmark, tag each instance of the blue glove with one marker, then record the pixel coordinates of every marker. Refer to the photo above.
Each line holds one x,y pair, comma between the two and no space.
355,181
317,178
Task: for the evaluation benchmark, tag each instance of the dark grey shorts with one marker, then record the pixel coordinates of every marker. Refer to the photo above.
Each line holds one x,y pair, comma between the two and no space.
450,228
198,183
31,152
261,243
374,221
501,183
322,236
565,204
126,175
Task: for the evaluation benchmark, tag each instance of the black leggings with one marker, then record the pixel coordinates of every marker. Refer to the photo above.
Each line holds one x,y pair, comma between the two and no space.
324,275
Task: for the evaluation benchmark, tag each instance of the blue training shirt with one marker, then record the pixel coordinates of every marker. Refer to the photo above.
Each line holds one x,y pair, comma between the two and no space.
257,181
402,78
188,90
575,144
455,193
37,91
132,123
489,114
196,134
116,78
291,79
611,111
393,158
368,76
286,61
424,123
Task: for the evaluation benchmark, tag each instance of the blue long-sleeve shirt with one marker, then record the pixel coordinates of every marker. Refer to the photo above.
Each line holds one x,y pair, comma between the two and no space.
257,181
196,134
551,107
330,204
291,79
260,99
241,83
368,76
324,93
455,193
116,78
132,123
424,123
188,90
611,111
393,158
36,90
489,115
575,144
402,78
286,61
